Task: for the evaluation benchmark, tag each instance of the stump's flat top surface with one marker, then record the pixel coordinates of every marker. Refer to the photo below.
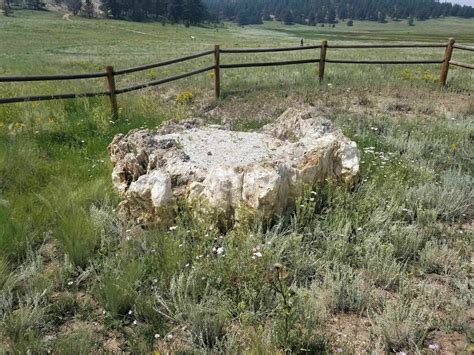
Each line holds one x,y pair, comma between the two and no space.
211,147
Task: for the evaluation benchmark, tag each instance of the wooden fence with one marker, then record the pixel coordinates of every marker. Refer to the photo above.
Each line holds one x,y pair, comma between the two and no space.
110,73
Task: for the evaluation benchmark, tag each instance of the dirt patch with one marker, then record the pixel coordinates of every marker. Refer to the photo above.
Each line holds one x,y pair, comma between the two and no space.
440,342
362,102
349,331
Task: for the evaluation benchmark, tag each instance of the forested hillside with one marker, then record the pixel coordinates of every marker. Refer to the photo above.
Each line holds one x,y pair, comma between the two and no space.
189,12
312,12
309,12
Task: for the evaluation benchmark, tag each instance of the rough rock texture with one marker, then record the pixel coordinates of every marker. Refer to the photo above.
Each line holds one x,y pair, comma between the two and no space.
264,171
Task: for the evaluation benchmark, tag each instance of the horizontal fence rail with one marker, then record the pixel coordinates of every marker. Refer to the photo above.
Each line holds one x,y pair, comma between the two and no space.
355,46
462,65
162,64
268,64
110,73
10,100
465,48
6,79
343,61
163,81
266,50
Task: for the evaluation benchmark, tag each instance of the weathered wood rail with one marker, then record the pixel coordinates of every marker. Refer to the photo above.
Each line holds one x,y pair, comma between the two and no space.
110,73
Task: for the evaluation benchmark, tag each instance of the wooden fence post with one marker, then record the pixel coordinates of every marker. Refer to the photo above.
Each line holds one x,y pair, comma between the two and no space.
112,94
443,77
322,60
217,71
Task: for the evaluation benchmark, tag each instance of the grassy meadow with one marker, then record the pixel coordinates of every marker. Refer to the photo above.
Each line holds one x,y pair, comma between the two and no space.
384,266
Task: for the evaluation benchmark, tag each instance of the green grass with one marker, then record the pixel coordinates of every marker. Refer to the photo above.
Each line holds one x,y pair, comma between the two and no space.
392,255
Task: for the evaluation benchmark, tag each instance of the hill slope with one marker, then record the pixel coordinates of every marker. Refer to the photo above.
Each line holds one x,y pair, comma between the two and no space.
328,11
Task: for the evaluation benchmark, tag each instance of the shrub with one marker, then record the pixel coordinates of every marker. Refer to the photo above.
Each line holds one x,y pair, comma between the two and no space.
450,199
379,263
439,258
118,287
205,314
402,325
23,326
345,290
407,241
80,342
184,97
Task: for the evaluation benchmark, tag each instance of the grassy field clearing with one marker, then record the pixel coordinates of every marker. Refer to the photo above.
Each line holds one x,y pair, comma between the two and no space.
384,266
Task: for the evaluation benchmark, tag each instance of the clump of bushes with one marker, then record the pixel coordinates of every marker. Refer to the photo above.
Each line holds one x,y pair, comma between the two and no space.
184,97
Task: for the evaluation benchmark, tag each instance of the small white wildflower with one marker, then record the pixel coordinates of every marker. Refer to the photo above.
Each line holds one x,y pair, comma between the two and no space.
130,312
172,228
135,322
312,199
359,229
70,283
258,254
220,251
157,336
169,336
155,281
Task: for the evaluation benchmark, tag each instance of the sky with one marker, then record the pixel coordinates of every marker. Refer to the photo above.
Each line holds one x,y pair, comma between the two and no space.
462,2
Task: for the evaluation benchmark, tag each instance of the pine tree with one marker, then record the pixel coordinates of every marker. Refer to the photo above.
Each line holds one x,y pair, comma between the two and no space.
88,9
331,15
175,10
6,7
288,18
193,11
35,4
112,8
73,5
321,15
381,17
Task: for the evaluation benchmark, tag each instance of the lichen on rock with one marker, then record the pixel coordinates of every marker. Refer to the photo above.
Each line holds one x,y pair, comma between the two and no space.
264,171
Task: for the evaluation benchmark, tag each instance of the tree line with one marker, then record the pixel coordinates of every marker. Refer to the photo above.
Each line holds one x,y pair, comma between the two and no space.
312,12
189,12
244,12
